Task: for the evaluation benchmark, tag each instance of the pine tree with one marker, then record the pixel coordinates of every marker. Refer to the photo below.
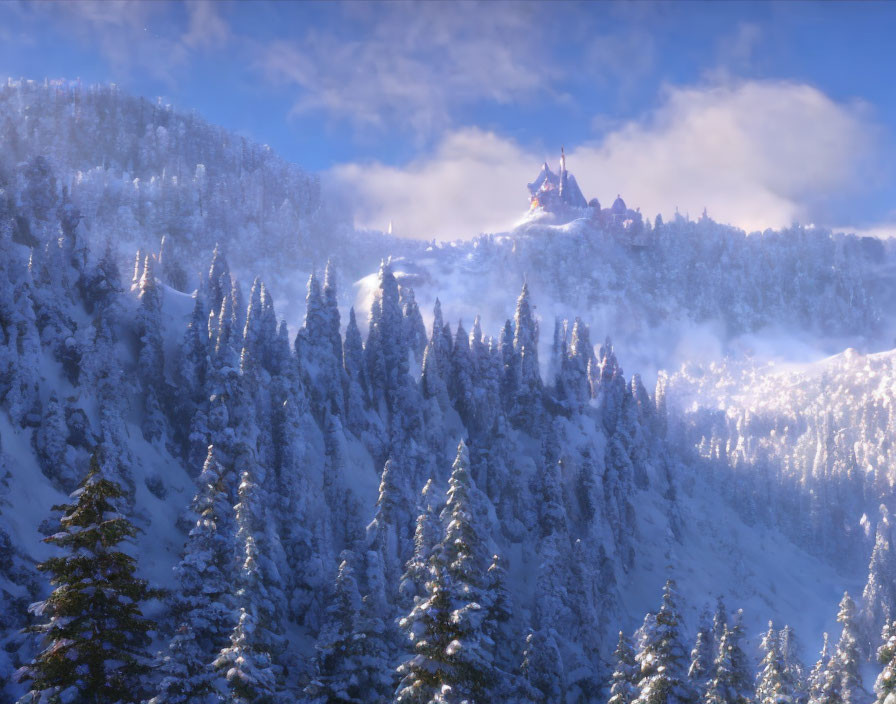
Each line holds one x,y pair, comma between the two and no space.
830,690
542,669
246,666
353,364
426,534
885,686
770,687
453,654
53,451
319,348
499,625
352,664
95,635
609,386
817,675
173,273
378,634
203,603
847,655
701,657
218,281
384,532
793,677
195,351
730,682
336,679
572,382
719,624
247,663
526,402
624,688
662,658
558,348
385,351
879,595
414,330
461,381
150,360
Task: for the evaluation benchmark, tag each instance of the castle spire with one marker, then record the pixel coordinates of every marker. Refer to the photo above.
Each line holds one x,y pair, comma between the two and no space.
562,161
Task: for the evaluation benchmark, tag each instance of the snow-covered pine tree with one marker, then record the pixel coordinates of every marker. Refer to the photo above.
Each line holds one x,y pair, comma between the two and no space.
338,663
218,281
414,330
623,689
49,440
460,384
247,664
548,489
150,359
770,687
252,357
730,682
526,403
608,387
333,325
452,652
478,348
793,677
573,387
172,270
719,624
816,678
432,385
385,351
885,686
847,655
830,690
194,352
99,287
702,656
558,349
354,364
879,594
203,603
316,348
499,625
427,533
662,659
384,532
94,634
377,632
541,671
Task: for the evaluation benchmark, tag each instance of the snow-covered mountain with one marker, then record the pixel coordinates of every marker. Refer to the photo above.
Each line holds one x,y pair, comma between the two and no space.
132,172
306,477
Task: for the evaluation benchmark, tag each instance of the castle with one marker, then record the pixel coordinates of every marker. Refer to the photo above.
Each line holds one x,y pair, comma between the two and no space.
560,194
552,192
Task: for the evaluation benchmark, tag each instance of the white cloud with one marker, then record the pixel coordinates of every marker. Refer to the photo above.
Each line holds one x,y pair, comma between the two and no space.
206,28
396,65
474,182
146,37
756,154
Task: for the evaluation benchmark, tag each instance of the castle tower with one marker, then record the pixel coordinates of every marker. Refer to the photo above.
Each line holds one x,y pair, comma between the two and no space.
563,177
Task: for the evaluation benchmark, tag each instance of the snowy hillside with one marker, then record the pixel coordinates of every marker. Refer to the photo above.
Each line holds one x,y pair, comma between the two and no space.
816,441
339,500
576,487
132,171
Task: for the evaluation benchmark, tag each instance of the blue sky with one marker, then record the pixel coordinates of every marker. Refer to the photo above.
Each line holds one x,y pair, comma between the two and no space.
764,113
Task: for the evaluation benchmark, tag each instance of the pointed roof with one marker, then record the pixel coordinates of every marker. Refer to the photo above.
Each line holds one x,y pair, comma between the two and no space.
544,176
